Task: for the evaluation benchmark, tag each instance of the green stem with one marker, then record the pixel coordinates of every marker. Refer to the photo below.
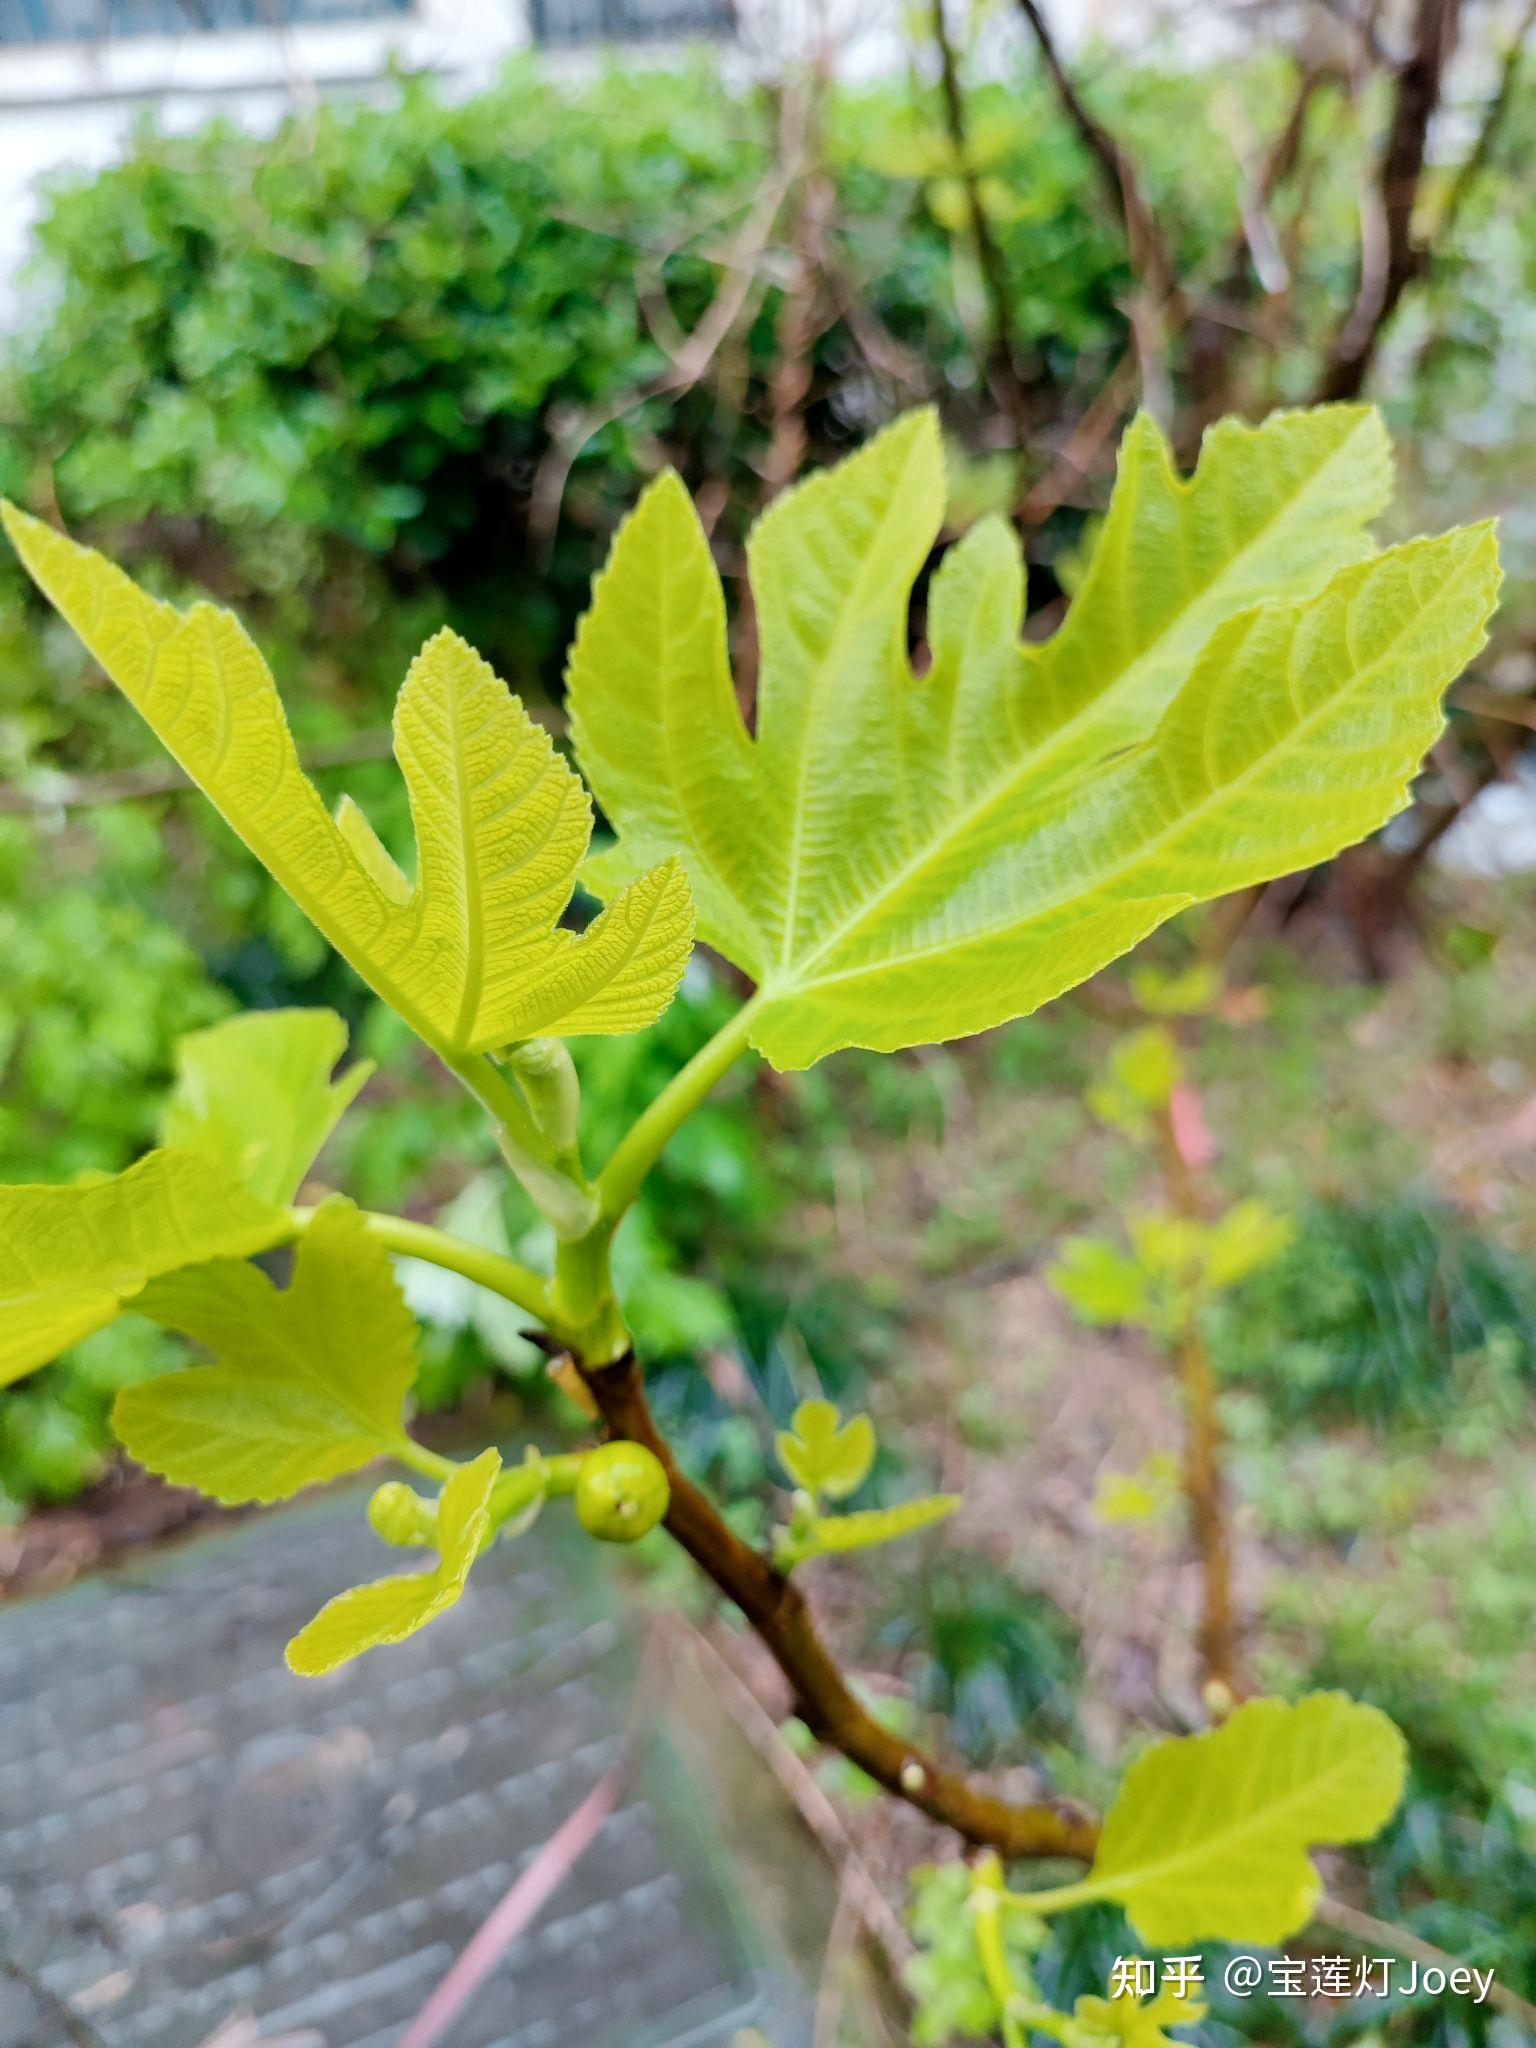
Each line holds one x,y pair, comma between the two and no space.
587,1313
986,1897
646,1140
513,1282
417,1458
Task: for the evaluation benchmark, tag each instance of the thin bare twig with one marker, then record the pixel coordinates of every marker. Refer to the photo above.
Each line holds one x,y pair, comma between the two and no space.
739,291
1378,1934
1077,453
989,256
1205,1488
1494,115
831,1992
1157,296
812,1803
50,2007
803,317
536,1885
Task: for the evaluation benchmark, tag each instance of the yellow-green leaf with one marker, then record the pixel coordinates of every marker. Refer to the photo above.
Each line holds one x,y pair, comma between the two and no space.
1122,1498
824,1457
867,1528
1136,2022
1101,1282
1209,1835
71,1258
471,955
255,1094
896,859
308,1381
1249,1237
391,1609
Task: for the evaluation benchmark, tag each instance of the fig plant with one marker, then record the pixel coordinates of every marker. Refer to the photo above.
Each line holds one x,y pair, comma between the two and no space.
1244,685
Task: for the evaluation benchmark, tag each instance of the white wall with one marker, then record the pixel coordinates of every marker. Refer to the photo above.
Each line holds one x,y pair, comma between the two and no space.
75,104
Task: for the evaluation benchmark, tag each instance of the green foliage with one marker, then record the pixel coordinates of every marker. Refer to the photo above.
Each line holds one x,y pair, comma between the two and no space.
1175,1265
863,1531
96,989
308,1381
1142,1074
1136,2022
1000,1663
945,1977
1241,685
255,1094
1384,1312
356,339
932,858
71,1258
368,1617
1141,1496
1186,992
398,1515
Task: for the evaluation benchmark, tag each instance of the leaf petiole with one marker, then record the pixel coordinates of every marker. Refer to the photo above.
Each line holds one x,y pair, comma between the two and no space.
647,1138
516,1283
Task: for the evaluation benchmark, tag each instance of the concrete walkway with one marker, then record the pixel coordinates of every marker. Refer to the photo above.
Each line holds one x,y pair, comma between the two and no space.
197,1848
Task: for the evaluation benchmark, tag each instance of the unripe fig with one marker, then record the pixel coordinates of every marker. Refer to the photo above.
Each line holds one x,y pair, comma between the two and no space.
622,1492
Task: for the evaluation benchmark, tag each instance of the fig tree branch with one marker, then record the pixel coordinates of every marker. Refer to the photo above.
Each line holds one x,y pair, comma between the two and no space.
776,1608
1391,257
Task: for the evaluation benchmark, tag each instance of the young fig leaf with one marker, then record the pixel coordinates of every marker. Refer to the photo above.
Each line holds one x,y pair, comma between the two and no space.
73,1258
307,1383
389,1610
1235,693
823,1457
1208,1837
255,1093
471,955
866,1529
1125,2020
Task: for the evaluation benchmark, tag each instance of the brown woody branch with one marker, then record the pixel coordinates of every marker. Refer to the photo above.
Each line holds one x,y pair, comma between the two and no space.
1391,258
1204,1475
776,1608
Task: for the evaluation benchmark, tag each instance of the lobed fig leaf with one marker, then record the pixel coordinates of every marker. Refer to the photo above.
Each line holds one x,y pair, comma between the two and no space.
1240,688
470,953
73,1258
255,1094
389,1610
308,1381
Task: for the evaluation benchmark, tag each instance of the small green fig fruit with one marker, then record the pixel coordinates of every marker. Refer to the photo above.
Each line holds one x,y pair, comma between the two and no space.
621,1493
399,1515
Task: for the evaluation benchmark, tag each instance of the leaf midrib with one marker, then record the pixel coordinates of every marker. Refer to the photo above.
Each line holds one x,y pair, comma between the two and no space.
848,615
1006,785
